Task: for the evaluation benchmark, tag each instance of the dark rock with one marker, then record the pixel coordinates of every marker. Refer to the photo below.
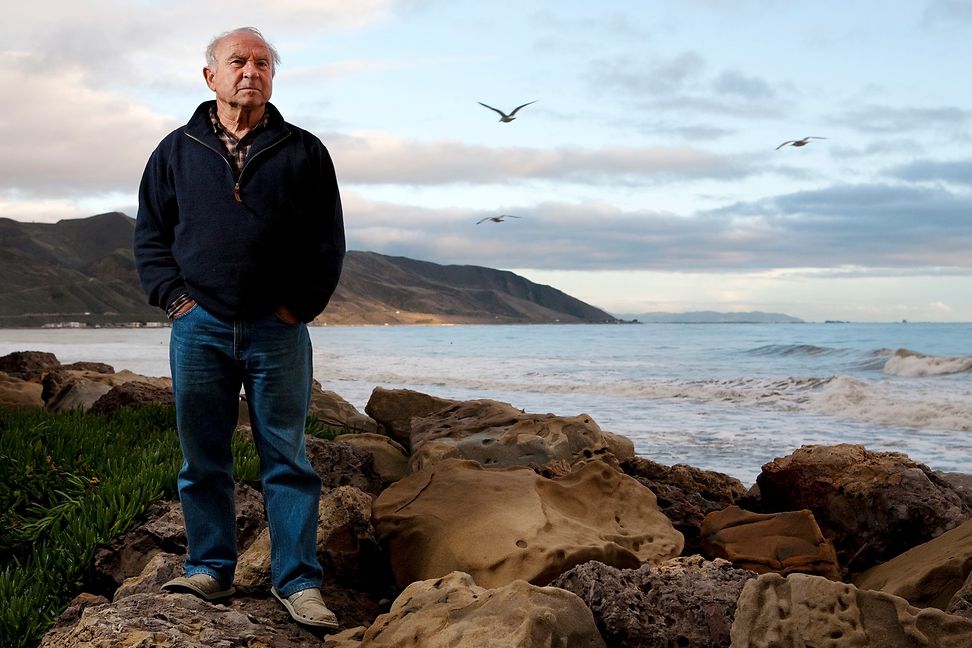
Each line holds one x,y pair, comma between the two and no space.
685,601
96,367
961,482
28,365
961,602
871,505
342,464
164,532
347,543
173,620
132,394
686,494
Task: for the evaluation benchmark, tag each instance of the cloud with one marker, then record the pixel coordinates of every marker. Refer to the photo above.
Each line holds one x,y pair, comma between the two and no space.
948,12
121,44
864,226
947,120
71,122
683,85
954,171
62,137
877,225
732,82
380,158
637,77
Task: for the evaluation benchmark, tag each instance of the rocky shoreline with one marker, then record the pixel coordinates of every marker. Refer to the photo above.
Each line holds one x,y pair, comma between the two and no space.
474,523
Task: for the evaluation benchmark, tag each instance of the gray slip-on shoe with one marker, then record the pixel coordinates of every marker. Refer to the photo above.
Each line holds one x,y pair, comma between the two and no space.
307,607
202,585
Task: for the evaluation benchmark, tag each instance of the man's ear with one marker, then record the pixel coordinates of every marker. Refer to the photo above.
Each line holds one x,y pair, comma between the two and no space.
208,76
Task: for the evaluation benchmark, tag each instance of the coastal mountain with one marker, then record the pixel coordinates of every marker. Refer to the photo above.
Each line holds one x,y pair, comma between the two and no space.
82,270
713,317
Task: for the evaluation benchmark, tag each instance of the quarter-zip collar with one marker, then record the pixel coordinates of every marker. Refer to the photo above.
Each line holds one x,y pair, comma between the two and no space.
200,128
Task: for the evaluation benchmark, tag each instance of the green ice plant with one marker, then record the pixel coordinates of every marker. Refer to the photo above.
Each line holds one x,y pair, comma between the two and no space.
69,483
72,482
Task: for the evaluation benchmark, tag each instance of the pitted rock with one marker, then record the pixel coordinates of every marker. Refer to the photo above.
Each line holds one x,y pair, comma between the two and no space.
684,601
499,435
504,525
805,610
453,612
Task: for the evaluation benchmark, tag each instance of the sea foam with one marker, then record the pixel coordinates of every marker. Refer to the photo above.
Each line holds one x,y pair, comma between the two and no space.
912,364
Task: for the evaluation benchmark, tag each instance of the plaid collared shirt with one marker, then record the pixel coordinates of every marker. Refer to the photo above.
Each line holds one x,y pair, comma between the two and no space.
236,149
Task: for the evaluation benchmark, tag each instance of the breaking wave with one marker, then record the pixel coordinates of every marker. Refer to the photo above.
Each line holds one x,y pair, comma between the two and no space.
912,364
883,402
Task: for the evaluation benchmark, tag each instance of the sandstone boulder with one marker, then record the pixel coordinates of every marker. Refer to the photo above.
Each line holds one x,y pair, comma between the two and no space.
686,494
504,525
394,410
685,601
453,612
332,410
805,610
499,435
928,575
785,543
19,393
68,389
871,505
391,460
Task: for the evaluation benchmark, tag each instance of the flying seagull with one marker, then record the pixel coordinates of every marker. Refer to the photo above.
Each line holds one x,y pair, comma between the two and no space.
799,142
496,219
503,116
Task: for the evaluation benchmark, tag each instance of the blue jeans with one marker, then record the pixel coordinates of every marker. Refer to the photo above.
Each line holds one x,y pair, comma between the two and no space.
211,360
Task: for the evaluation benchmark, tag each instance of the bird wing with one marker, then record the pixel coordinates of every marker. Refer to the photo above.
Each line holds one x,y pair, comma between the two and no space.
526,104
508,216
483,220
814,137
784,144
495,109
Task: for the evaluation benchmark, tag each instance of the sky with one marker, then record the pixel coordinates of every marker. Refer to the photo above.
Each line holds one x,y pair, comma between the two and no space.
646,177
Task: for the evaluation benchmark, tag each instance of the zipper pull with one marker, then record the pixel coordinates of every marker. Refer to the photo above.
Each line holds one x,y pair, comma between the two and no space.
236,192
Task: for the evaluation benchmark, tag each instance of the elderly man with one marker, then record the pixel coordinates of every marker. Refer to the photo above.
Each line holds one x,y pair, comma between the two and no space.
240,238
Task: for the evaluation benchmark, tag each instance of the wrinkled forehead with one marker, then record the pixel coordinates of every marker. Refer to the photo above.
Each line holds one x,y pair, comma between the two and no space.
243,46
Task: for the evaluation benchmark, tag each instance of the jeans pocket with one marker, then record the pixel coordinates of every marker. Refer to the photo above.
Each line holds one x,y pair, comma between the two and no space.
277,318
181,315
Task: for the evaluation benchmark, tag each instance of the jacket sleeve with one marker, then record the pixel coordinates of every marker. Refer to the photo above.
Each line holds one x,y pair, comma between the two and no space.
325,246
154,234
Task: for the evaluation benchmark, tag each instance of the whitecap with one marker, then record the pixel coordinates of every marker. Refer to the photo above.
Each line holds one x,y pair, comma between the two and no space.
911,364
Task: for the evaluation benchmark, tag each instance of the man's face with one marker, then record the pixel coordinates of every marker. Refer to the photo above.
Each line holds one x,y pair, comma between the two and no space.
243,77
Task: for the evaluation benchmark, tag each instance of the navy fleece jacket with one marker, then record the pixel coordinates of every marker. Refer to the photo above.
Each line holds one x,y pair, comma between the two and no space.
240,248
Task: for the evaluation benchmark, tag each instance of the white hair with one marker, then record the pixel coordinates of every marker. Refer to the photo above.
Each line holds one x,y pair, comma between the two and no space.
211,48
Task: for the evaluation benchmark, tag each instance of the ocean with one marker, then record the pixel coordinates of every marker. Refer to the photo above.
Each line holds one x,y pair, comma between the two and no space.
724,397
